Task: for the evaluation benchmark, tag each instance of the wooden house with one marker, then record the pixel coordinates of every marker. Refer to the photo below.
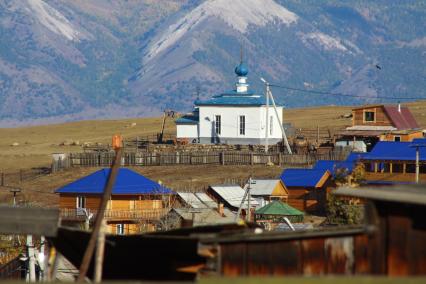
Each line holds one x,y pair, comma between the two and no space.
395,162
136,203
267,190
307,188
380,122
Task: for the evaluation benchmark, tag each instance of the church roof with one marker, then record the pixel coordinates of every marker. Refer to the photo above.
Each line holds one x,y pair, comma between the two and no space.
187,119
233,100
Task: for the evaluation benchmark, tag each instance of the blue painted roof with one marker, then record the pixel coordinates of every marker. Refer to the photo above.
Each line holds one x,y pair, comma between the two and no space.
332,166
188,119
420,142
302,177
394,151
234,100
127,182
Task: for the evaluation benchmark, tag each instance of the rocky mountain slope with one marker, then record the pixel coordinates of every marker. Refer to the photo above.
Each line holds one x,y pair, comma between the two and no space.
66,60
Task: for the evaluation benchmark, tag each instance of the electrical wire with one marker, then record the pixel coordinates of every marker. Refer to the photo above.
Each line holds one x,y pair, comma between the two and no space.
341,94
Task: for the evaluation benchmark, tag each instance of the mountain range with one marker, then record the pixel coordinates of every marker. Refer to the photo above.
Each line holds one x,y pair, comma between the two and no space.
67,60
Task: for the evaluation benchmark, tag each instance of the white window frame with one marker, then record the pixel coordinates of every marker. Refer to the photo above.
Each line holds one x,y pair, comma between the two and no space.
218,124
242,125
119,229
80,200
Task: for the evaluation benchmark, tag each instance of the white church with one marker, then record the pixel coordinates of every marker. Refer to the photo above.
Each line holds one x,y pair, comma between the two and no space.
234,117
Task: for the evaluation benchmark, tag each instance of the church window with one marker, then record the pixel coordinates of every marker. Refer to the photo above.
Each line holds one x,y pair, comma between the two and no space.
218,124
242,125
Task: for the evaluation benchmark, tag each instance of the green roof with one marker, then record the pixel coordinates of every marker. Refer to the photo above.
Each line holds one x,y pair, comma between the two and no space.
278,208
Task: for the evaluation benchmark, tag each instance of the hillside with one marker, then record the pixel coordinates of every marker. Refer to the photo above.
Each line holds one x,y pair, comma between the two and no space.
71,60
37,143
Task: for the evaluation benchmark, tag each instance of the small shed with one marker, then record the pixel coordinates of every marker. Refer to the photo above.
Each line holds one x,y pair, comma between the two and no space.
307,188
267,190
276,211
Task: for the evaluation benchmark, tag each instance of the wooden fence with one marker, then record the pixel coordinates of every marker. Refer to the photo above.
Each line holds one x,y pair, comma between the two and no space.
94,159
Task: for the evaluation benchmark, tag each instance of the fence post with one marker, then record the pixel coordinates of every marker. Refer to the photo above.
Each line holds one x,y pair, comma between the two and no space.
280,159
190,158
251,159
2,179
222,158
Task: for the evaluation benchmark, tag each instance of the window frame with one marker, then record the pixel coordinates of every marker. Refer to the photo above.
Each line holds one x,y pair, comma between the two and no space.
242,125
80,199
218,124
364,117
119,229
399,137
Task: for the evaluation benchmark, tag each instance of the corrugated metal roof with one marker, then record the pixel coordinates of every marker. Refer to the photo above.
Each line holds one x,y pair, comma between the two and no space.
205,216
394,151
187,119
233,100
401,119
302,177
262,186
233,194
127,182
210,203
191,199
279,208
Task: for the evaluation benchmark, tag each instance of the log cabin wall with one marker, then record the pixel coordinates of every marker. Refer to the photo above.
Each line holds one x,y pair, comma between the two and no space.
381,118
124,202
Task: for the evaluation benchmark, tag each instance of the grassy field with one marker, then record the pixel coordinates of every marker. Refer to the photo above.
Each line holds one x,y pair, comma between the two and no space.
37,143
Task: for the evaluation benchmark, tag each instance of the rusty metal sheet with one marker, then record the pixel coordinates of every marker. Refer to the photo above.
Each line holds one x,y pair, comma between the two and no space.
313,256
286,258
232,259
397,258
361,250
340,255
417,243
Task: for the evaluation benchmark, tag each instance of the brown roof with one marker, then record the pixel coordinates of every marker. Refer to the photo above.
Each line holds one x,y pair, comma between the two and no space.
401,119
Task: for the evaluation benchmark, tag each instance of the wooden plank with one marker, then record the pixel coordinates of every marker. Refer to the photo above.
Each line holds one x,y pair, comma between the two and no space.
35,221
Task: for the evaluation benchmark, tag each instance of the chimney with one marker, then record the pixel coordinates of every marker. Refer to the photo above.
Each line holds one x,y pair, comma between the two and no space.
220,209
399,106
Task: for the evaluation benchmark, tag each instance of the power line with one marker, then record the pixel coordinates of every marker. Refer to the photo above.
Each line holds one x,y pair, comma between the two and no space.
340,94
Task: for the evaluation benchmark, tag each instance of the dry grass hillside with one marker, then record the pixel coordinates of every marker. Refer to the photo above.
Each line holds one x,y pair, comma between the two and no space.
37,143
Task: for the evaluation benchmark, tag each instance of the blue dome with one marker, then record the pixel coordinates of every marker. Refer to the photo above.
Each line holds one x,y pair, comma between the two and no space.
241,70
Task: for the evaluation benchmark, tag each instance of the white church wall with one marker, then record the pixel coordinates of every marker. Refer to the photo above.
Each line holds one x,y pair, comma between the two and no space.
255,126
187,131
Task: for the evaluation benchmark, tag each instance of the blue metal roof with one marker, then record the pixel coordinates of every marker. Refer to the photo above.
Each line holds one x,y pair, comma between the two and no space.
234,100
419,142
187,119
394,151
302,177
332,165
127,182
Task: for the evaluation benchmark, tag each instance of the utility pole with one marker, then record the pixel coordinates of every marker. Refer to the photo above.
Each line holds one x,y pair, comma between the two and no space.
248,202
417,164
31,276
269,95
244,198
267,118
100,249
